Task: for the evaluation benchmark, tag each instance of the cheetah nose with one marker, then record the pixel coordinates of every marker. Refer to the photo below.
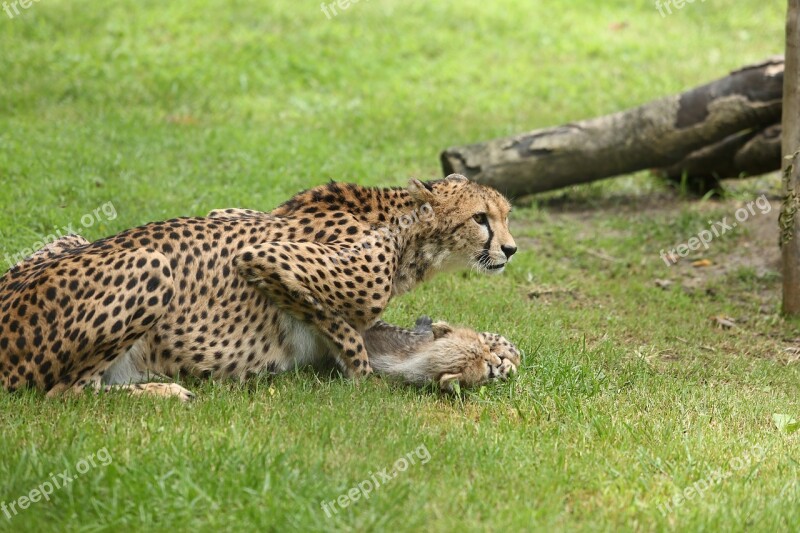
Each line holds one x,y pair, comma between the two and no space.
508,250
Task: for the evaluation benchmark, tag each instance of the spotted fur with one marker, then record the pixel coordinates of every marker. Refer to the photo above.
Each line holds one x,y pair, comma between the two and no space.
241,292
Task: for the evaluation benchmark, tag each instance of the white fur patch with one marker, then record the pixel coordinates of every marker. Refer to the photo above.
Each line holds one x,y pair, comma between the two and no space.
125,369
303,344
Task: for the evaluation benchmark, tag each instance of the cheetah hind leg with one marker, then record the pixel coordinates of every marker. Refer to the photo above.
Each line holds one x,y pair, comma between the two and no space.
97,303
123,373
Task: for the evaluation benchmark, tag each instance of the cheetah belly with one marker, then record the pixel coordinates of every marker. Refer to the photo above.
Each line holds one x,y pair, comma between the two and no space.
304,345
300,346
130,368
267,343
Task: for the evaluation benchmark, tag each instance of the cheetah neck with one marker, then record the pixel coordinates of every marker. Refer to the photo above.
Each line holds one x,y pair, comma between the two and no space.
420,256
417,243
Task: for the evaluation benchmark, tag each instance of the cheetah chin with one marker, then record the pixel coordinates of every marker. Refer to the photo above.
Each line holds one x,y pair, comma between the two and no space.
241,293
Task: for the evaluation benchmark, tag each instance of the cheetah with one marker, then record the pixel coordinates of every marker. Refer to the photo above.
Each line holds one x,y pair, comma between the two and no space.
240,293
438,350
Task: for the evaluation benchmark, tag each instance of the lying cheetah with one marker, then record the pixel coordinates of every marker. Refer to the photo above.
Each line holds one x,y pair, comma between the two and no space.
439,350
240,292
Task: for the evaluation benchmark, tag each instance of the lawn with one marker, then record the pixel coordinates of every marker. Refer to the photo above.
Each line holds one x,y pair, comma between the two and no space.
632,391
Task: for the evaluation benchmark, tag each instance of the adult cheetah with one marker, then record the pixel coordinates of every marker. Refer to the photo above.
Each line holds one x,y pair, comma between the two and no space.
241,292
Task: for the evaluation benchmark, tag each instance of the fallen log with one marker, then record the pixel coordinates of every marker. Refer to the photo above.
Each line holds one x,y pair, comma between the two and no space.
748,153
654,135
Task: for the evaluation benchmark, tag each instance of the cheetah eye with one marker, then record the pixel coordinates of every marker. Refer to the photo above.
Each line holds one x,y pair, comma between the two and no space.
481,219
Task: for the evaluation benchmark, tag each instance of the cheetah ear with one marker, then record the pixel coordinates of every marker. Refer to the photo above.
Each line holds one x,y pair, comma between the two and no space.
441,329
457,177
421,192
446,381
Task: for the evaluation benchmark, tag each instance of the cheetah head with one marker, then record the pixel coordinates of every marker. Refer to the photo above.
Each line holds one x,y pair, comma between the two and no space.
470,222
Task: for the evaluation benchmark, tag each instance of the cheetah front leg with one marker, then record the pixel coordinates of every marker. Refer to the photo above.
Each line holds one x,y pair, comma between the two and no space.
306,280
161,390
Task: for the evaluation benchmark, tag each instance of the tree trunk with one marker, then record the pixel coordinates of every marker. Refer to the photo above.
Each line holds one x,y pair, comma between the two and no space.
657,134
749,153
790,231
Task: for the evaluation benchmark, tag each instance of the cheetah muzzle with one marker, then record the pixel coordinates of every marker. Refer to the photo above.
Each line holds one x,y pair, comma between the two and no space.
240,293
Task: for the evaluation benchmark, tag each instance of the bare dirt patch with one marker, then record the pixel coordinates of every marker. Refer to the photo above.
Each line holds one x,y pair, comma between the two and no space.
742,269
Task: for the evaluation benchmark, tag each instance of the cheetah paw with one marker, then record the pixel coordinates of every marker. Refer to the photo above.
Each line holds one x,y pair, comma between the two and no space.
508,354
164,390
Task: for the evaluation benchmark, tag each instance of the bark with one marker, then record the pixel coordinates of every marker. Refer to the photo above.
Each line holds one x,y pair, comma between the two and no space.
749,153
790,231
654,135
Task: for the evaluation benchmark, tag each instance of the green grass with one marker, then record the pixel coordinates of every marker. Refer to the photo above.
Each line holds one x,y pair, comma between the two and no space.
627,394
